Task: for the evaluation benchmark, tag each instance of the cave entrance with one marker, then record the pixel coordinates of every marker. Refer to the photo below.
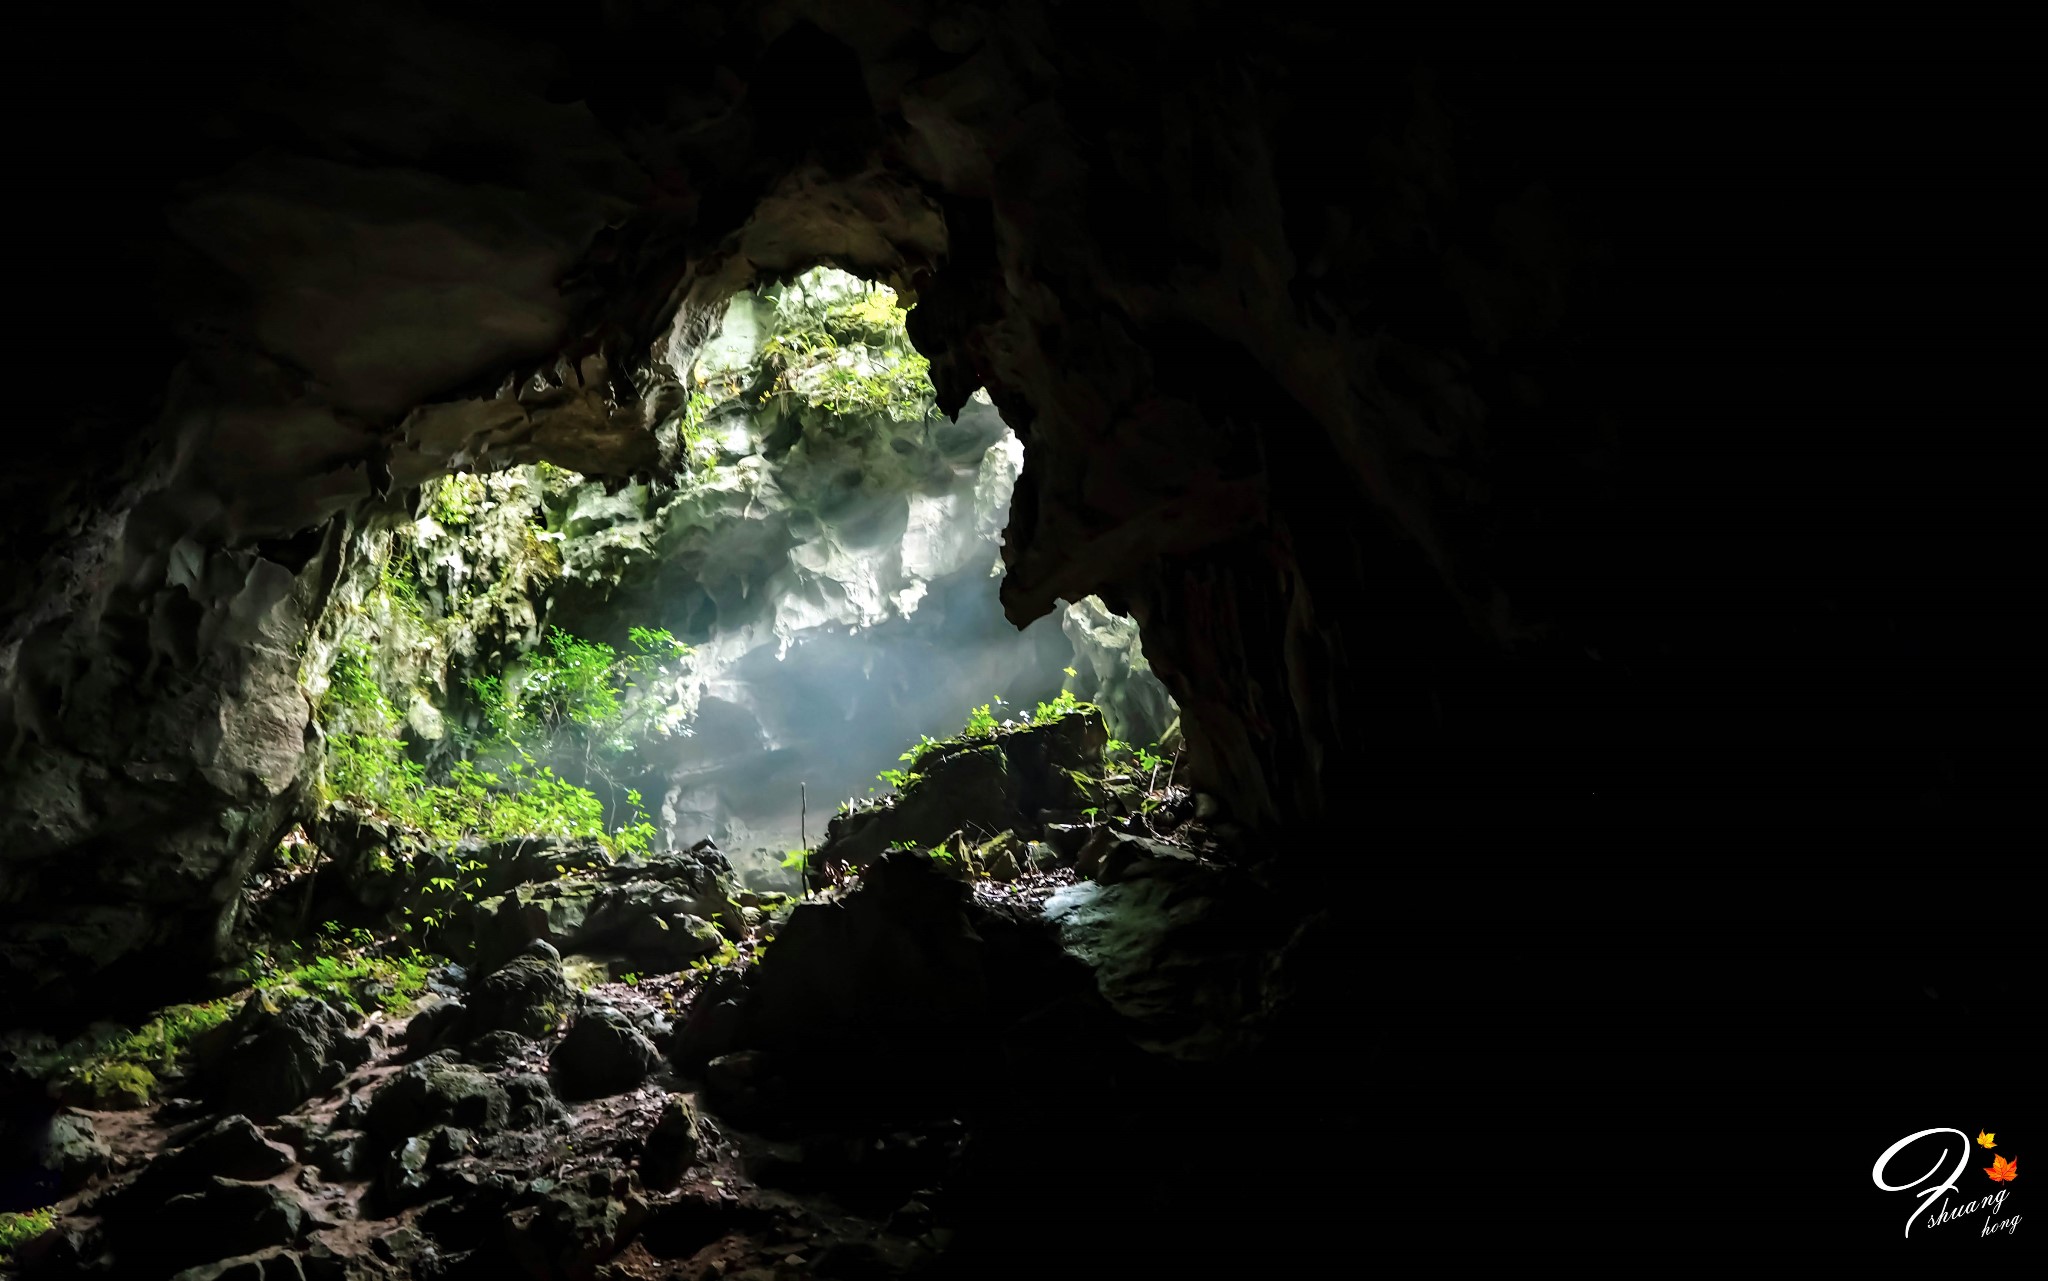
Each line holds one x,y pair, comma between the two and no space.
732,649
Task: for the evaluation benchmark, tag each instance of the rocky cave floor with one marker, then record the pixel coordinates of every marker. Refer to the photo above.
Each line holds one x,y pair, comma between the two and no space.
572,1188
818,1114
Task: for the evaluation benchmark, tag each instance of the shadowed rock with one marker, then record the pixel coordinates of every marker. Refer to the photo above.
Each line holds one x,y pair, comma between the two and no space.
603,1054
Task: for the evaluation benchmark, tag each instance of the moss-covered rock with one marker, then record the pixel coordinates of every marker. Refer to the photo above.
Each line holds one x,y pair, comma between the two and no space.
979,787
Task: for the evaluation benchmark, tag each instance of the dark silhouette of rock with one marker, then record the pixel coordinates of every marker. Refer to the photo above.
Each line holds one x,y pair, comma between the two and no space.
231,1147
220,1219
672,1144
281,1053
432,1027
526,995
602,1054
533,1101
437,1091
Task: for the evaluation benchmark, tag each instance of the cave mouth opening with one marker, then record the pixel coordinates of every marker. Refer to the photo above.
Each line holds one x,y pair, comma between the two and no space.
612,736
733,648
587,747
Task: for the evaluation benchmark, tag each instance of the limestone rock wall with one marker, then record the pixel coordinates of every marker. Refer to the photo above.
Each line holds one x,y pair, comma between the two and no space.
1238,410
1341,357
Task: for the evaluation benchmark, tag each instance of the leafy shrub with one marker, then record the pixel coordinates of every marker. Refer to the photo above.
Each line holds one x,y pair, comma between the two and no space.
18,1228
122,1070
981,722
340,980
572,685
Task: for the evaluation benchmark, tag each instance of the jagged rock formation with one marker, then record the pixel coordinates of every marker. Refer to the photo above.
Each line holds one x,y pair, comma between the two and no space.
504,256
1347,361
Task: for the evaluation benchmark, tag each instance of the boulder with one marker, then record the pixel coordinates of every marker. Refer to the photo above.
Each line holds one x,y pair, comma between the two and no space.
231,1148
744,1085
572,1227
527,995
72,1152
222,1219
1045,759
603,1054
528,859
708,1033
437,1091
533,1101
497,1049
338,1153
414,1170
1002,859
553,913
585,971
659,942
281,1053
897,952
1122,858
672,1145
434,1025
349,1116
967,787
655,920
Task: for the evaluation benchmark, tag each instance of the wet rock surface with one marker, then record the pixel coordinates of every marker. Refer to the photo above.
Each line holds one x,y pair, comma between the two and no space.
603,1054
527,996
655,914
70,1152
826,1106
1014,781
279,1054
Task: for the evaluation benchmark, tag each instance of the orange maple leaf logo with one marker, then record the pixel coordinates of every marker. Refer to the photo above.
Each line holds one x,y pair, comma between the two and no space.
2002,1170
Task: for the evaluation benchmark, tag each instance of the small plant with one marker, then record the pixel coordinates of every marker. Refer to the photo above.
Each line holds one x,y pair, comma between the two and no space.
456,500
981,722
727,953
18,1228
630,979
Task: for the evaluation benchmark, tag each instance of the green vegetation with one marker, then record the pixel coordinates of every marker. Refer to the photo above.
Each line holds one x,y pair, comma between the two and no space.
840,346
121,1069
727,953
1142,759
899,778
552,723
581,687
356,982
982,722
570,688
456,500
19,1228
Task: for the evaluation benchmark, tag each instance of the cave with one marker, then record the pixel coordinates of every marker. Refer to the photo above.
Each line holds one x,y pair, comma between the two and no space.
1535,488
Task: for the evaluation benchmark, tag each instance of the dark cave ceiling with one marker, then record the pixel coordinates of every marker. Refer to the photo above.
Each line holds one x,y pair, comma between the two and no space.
1417,385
